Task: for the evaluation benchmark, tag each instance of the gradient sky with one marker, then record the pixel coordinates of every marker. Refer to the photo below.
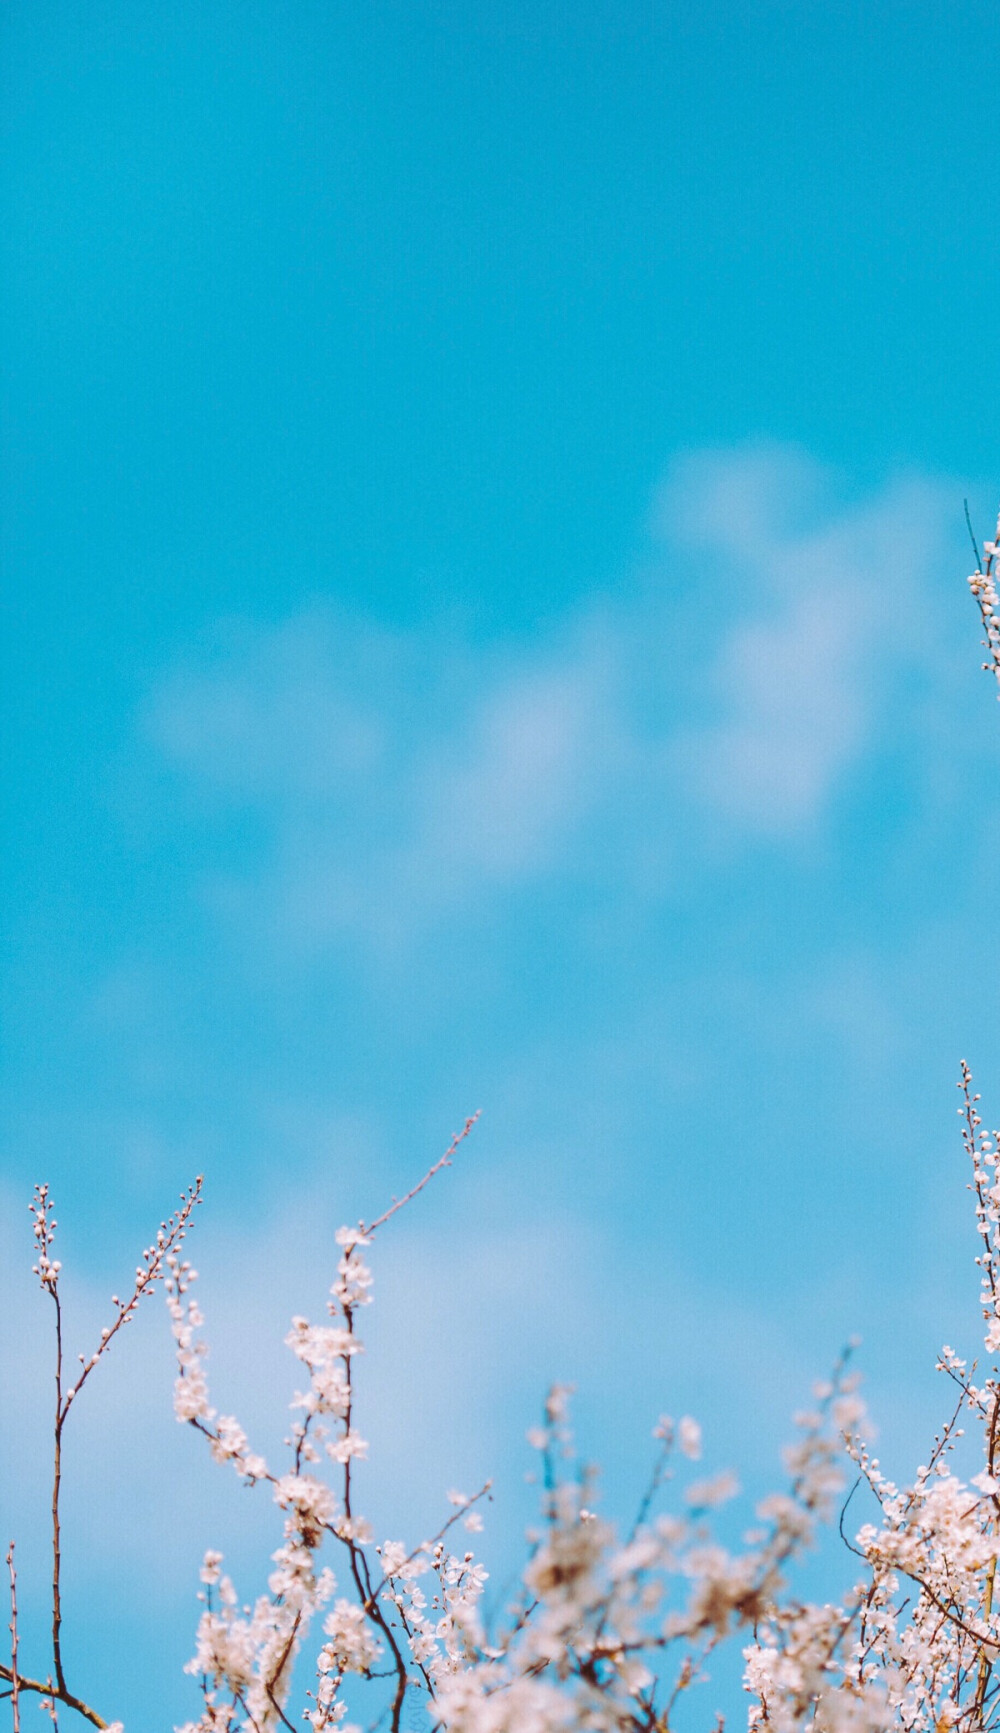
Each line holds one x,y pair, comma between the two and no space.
485,627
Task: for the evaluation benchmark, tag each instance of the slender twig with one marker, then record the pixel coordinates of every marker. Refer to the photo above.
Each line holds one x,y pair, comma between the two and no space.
972,534
56,1487
148,1272
840,1523
442,1161
428,1545
14,1681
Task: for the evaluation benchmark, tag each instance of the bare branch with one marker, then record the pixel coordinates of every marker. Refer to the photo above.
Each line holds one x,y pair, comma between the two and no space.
442,1161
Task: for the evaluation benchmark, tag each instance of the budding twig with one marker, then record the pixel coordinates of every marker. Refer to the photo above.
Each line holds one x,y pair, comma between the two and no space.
15,1686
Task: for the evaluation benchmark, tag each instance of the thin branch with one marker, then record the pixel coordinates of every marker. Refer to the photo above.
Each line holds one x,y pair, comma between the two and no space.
148,1272
48,1688
56,1488
14,1681
456,1516
972,536
840,1524
442,1161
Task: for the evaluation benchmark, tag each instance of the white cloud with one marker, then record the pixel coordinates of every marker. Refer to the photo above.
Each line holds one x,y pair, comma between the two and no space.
794,713
404,780
511,790
816,602
394,800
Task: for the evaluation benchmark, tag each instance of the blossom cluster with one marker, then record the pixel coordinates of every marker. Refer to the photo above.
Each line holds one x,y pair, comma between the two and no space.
610,1629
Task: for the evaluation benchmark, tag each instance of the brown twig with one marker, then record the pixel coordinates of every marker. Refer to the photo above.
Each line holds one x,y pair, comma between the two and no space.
14,1681
442,1161
47,1688
148,1272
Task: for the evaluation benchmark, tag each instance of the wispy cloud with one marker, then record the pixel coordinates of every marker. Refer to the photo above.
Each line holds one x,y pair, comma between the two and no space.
402,780
817,603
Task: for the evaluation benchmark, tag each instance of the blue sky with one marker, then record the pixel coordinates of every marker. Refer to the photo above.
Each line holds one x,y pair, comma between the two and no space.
485,628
